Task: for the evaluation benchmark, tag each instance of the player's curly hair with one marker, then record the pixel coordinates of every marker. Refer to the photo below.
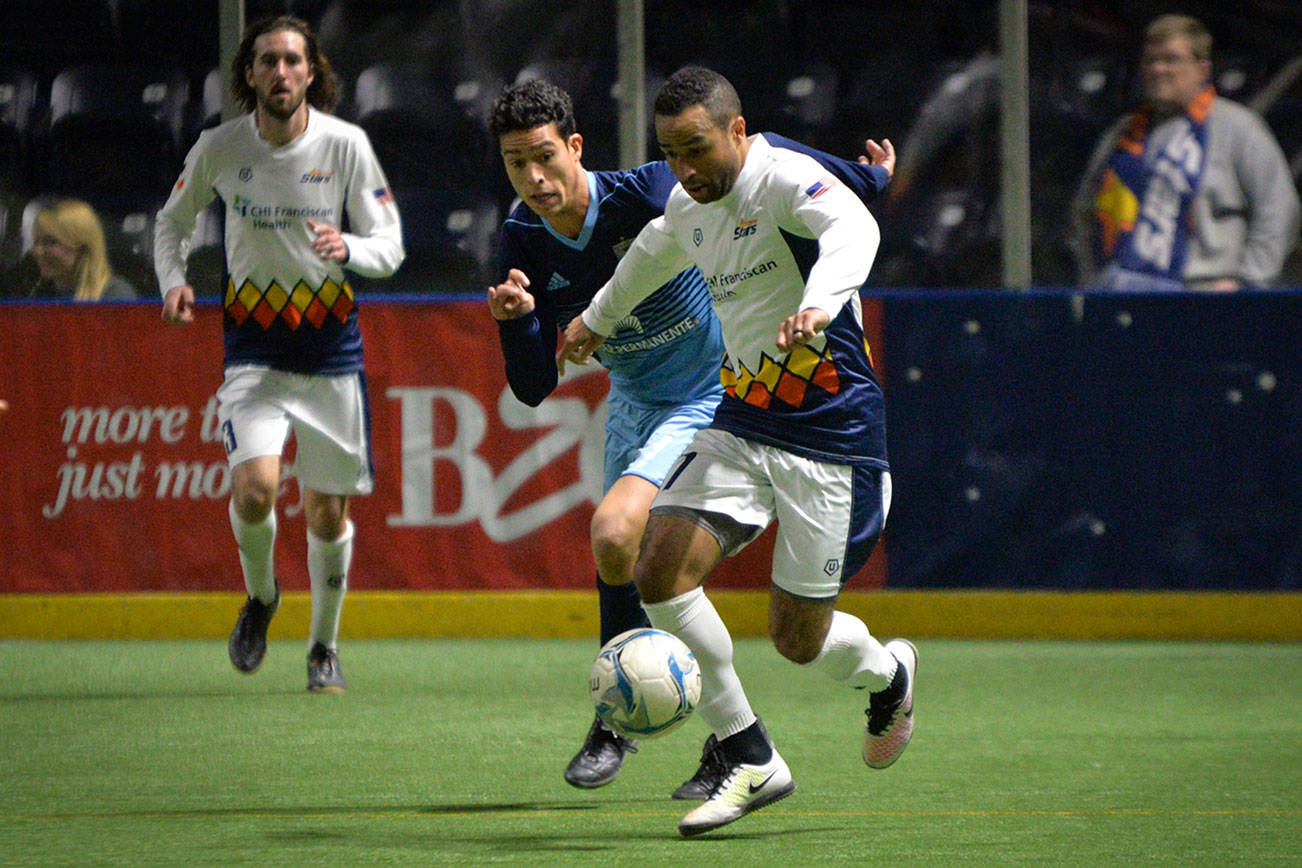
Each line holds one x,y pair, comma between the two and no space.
696,85
530,104
321,93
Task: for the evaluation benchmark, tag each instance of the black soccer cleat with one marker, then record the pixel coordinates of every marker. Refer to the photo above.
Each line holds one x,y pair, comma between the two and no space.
600,759
708,776
248,643
323,672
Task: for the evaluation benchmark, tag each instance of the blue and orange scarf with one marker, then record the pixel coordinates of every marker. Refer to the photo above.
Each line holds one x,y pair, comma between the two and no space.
1143,206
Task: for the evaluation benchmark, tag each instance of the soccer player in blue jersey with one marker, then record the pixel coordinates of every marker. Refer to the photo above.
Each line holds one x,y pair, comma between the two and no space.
289,176
799,436
557,249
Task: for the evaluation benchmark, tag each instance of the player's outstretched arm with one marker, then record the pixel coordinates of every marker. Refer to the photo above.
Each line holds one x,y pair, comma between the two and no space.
879,155
528,336
178,305
864,175
511,298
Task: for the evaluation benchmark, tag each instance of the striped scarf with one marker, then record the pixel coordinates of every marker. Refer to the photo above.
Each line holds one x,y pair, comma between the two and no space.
1142,206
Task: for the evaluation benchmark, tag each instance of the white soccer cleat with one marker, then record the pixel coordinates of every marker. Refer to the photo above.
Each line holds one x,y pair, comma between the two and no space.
890,724
744,788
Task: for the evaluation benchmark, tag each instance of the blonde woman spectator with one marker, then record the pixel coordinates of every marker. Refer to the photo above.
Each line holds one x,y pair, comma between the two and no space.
71,256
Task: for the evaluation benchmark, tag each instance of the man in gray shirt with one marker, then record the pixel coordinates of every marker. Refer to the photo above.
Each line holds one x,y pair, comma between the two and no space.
1192,190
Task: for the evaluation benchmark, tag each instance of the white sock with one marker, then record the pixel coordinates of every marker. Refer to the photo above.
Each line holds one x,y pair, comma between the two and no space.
257,544
327,568
692,618
853,657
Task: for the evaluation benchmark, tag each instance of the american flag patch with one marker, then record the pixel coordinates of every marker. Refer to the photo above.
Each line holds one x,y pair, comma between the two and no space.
820,188
384,196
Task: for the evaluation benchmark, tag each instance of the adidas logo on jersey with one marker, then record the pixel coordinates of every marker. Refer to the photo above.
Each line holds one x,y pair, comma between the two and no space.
557,283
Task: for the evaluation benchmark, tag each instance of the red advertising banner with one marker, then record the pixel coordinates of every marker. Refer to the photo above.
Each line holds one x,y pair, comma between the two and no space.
115,478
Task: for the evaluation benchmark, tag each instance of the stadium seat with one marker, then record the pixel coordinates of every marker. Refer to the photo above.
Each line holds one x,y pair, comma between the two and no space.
114,136
1238,75
175,33
18,103
45,37
809,103
205,266
590,87
130,242
423,138
448,241
205,109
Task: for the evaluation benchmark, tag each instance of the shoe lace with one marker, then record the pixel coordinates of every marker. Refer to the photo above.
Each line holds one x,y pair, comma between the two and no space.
712,759
601,734
882,713
324,660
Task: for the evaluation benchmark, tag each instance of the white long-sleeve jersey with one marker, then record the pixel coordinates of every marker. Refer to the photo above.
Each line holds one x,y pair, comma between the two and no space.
284,306
787,237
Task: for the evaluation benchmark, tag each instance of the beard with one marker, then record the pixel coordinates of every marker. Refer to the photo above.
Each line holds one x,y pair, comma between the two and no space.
282,111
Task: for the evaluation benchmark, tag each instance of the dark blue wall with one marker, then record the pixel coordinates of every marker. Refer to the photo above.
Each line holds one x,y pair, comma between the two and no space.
1067,441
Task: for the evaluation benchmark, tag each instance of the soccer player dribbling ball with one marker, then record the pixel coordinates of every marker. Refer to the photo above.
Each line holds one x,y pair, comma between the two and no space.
799,435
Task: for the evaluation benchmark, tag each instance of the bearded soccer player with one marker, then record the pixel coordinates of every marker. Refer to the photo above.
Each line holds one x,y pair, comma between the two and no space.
289,174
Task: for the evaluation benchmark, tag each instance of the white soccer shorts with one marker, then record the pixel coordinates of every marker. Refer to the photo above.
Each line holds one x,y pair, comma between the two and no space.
829,516
259,408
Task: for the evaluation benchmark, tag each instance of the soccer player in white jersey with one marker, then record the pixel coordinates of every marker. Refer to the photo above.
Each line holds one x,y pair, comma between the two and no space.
798,437
559,246
288,175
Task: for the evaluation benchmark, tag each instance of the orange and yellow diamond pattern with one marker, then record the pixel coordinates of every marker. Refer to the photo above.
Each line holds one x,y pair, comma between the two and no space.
302,304
788,381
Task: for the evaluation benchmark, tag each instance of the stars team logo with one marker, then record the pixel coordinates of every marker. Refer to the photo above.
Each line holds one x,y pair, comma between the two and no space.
743,229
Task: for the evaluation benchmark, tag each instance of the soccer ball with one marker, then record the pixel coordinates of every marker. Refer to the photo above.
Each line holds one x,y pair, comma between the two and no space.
645,683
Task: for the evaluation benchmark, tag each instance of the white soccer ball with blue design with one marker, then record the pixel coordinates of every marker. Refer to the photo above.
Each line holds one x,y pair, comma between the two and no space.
645,682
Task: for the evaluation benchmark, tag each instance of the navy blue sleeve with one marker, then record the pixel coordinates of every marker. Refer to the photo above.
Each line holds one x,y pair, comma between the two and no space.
528,342
652,182
866,181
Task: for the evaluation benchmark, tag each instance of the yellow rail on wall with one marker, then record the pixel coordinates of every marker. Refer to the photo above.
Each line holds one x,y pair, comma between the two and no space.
1267,617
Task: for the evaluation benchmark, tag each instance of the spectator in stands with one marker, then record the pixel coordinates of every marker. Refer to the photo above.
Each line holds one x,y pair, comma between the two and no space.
1190,191
71,256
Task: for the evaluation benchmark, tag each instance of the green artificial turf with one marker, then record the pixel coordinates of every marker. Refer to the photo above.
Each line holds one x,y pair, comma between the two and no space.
451,752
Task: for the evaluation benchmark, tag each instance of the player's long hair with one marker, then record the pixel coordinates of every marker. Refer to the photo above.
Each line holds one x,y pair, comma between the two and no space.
321,93
74,223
